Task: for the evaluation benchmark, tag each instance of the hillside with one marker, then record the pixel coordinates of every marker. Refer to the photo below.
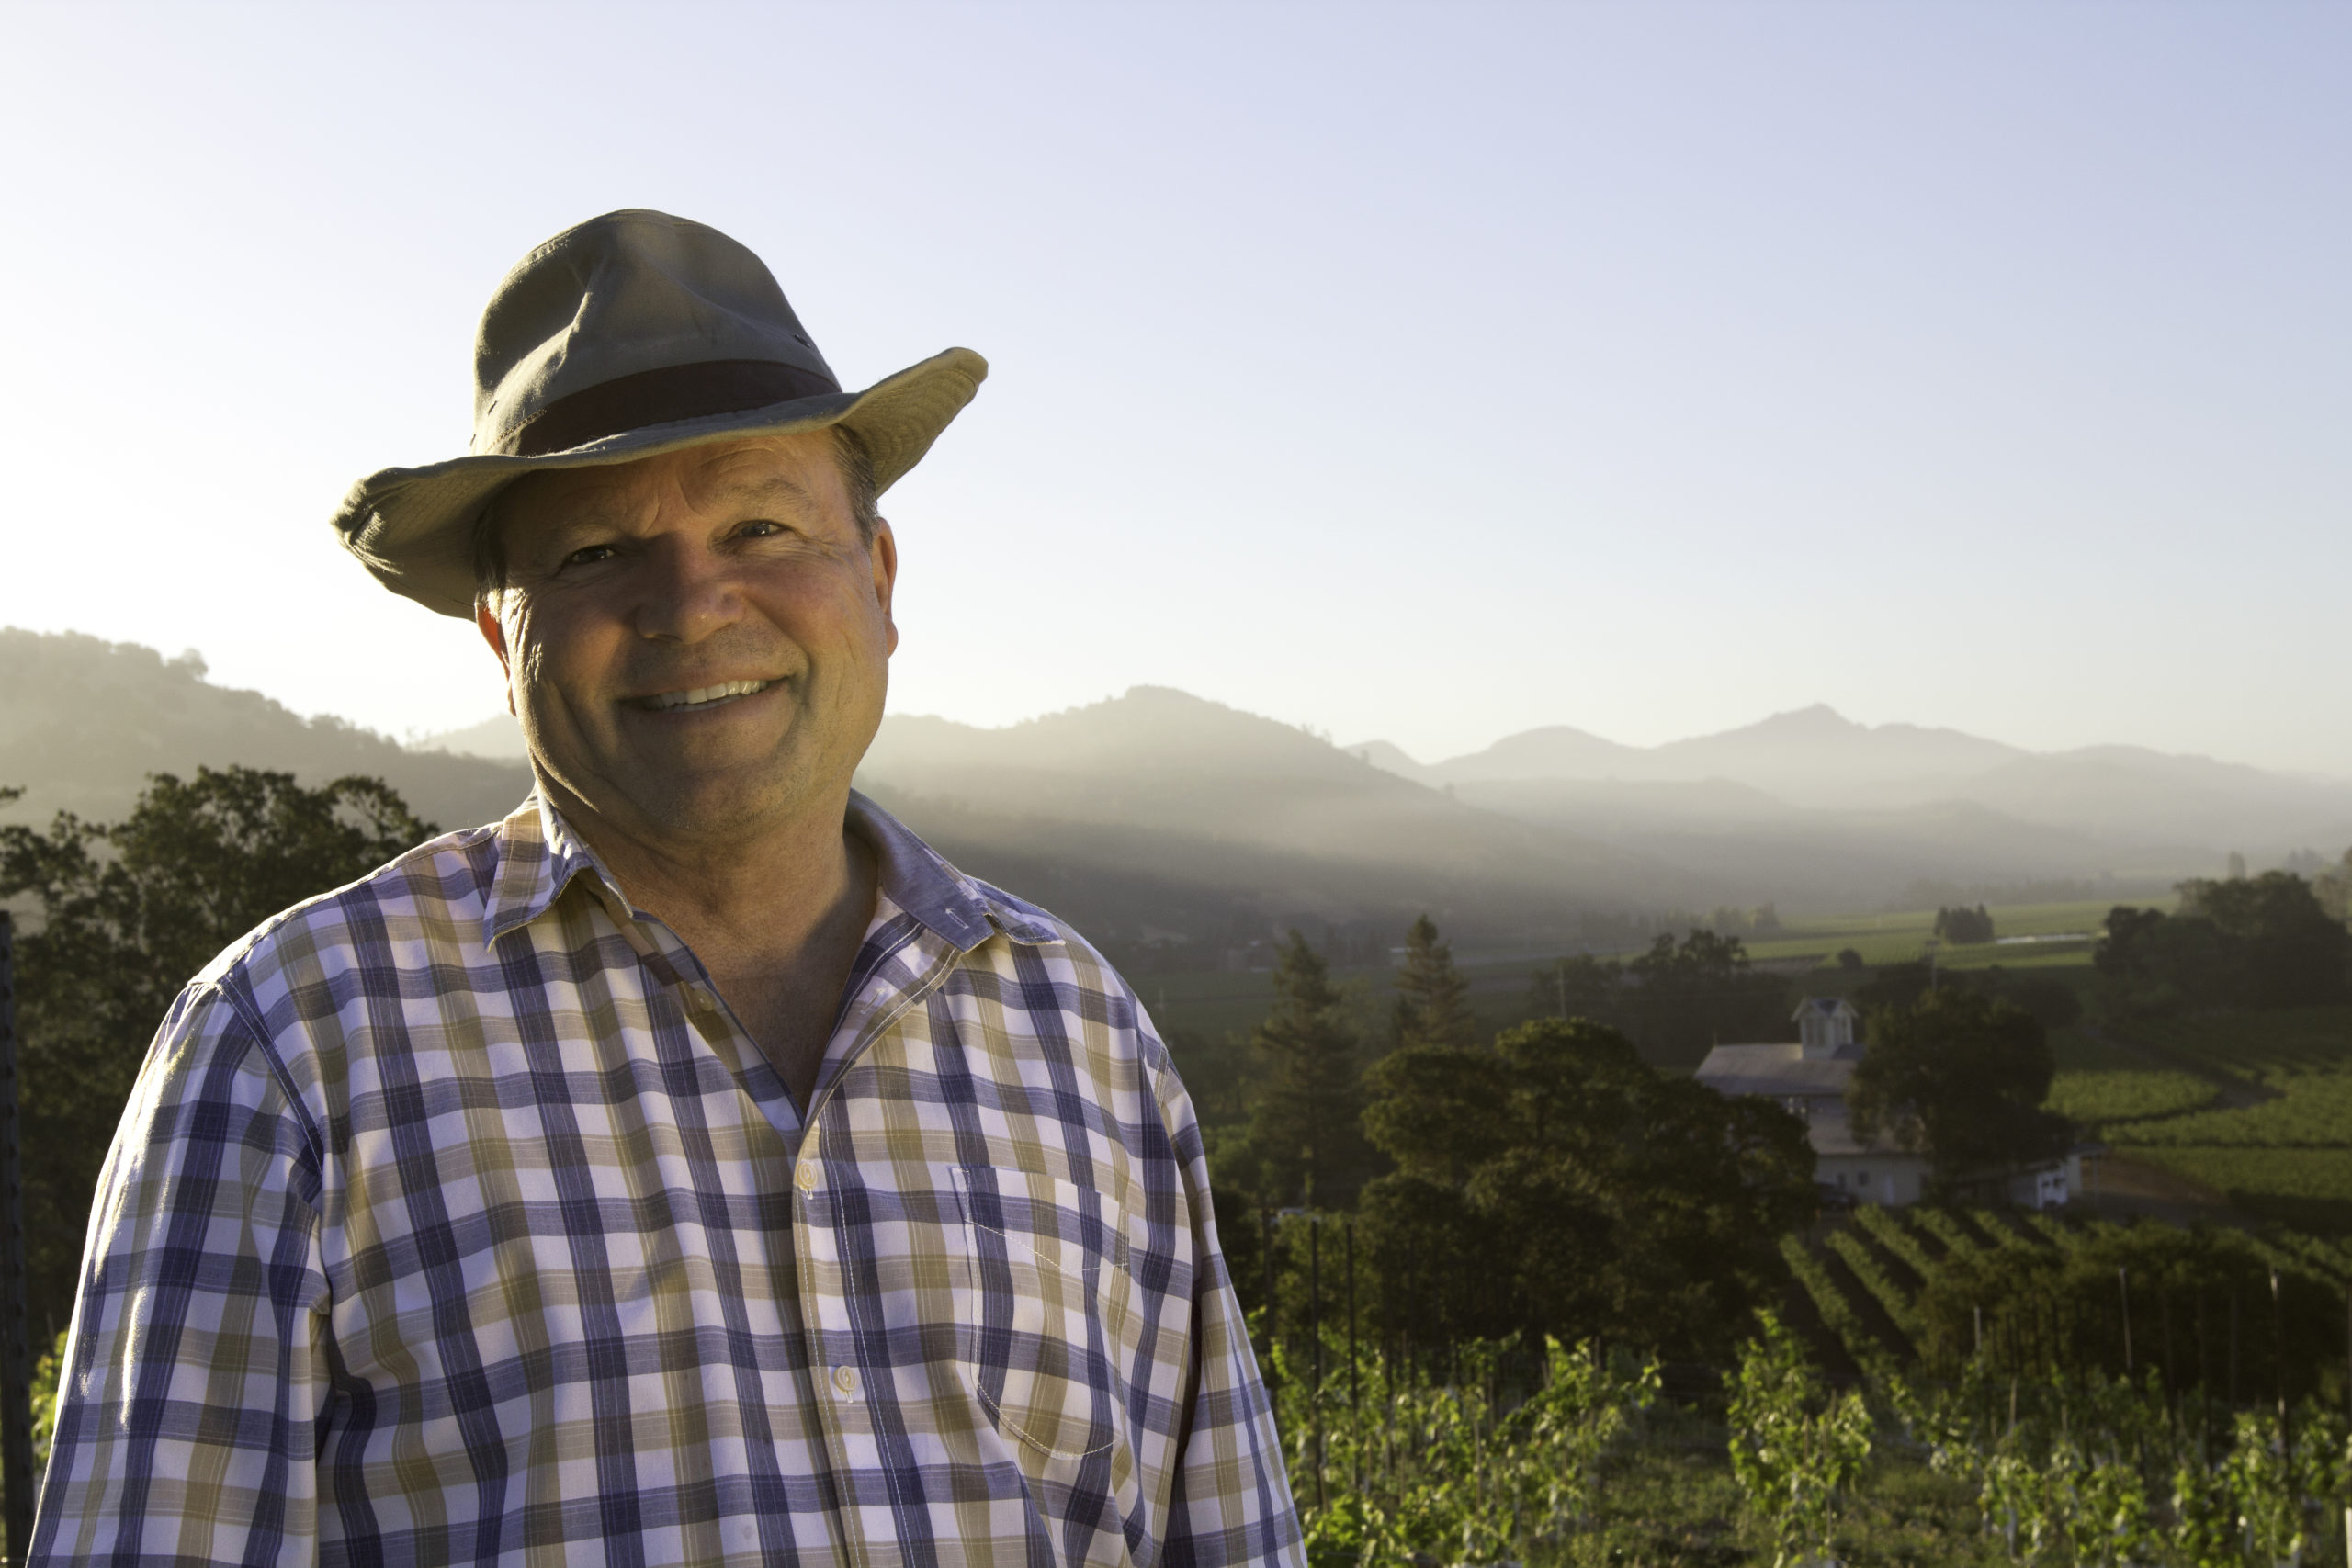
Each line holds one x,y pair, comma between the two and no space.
1816,806
1154,818
1161,785
1165,817
83,722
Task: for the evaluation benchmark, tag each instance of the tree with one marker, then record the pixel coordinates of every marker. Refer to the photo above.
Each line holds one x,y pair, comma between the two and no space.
1965,926
2262,941
129,913
1962,1077
1700,993
1558,1185
1676,1000
2288,953
1433,998
2332,885
1307,1126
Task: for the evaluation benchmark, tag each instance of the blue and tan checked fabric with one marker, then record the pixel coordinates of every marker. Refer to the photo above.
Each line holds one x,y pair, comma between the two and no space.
454,1220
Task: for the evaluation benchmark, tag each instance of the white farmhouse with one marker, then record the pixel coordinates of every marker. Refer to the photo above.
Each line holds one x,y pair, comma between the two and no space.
1810,1078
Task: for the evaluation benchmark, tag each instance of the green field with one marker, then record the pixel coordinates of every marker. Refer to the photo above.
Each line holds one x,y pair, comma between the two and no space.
2103,1100
1900,937
2283,1149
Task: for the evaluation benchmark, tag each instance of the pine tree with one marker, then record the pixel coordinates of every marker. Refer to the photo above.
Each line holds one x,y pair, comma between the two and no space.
1308,1125
1433,998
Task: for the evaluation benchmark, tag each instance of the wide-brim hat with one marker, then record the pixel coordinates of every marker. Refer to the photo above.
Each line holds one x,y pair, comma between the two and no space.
632,335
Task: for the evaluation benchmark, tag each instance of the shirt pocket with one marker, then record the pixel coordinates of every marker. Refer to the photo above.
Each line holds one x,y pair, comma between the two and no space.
1045,1299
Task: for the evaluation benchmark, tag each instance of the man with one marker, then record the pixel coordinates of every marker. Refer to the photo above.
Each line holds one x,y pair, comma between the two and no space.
692,1168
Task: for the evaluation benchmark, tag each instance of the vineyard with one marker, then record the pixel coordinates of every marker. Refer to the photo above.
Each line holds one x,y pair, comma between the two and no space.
2256,1107
1950,1387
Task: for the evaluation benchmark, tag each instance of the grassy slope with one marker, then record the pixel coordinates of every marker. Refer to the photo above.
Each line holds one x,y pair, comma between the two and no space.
2288,1156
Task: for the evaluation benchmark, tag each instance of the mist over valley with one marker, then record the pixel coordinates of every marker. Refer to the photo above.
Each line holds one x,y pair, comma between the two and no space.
1176,830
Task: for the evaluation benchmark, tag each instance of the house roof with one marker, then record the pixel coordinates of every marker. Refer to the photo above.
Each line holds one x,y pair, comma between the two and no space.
1827,1006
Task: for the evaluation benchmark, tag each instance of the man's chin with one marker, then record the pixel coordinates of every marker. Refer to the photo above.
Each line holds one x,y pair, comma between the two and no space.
725,806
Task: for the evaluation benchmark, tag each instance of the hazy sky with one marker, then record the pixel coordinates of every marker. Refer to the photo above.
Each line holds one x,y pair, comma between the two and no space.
1429,372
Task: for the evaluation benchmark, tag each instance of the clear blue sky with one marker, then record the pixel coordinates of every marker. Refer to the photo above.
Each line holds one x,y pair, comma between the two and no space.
1429,372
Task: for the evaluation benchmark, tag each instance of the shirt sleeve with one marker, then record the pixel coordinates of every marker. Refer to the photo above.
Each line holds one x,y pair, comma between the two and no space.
195,1379
1231,1502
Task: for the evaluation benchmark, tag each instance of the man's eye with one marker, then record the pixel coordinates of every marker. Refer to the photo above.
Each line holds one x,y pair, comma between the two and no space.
591,553
759,528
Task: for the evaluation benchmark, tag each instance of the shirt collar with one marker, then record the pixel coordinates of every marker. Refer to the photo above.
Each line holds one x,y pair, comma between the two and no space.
539,854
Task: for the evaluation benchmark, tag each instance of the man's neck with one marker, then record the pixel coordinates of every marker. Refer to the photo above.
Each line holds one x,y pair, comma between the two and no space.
780,880
776,917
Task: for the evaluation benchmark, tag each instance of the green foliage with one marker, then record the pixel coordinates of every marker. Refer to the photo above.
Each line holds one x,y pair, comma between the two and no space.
1949,1233
1675,1001
1486,1460
1558,1186
2094,1471
1433,998
2104,1098
2001,1232
1794,1449
1307,1124
1965,926
1961,1076
2286,1156
1838,1313
1886,1227
2059,1311
2263,942
1855,1255
2315,1114
129,913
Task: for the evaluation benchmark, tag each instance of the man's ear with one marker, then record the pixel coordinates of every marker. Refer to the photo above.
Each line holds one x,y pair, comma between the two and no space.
884,554
493,632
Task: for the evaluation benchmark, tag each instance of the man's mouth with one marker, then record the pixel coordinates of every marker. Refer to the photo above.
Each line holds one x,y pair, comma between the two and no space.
701,697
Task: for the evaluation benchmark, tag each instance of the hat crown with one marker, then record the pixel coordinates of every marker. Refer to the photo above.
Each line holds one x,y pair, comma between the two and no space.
623,295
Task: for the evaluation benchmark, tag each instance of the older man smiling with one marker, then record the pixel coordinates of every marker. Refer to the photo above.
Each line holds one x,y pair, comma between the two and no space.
693,1167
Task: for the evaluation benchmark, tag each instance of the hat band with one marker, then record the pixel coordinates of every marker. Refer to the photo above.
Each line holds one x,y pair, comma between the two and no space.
664,396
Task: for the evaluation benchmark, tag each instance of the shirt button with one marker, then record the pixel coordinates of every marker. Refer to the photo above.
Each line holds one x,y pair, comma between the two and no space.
845,1381
806,1176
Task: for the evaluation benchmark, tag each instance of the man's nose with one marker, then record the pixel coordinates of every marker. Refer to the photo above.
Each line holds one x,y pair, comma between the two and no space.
686,593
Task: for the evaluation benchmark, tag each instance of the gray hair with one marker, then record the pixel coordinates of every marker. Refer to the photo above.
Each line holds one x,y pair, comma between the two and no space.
848,450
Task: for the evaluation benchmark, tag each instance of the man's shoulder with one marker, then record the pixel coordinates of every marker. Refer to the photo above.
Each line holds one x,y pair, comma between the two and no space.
1069,957
436,891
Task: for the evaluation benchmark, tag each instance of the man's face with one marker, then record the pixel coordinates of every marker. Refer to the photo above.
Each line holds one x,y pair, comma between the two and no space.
697,644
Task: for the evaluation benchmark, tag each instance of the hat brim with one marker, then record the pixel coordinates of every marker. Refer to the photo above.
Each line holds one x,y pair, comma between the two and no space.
413,528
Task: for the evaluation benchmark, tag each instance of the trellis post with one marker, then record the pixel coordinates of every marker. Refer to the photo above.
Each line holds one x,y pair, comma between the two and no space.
15,1337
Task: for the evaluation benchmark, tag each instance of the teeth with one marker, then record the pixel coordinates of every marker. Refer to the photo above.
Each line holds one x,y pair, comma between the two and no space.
701,696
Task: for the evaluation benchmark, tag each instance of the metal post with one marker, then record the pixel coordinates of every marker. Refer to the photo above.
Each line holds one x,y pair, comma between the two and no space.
1274,1372
1355,1418
1314,1328
2279,1347
2123,1282
2233,1347
16,1335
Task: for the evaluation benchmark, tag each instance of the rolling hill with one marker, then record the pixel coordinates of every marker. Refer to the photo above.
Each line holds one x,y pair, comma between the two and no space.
1160,817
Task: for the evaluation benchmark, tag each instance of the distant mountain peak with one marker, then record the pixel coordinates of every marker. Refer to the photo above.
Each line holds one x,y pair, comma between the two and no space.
1817,718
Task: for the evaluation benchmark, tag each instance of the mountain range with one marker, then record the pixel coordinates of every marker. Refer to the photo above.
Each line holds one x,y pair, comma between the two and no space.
1161,818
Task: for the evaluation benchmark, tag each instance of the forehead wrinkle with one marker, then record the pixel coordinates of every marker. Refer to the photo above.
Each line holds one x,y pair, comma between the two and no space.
738,473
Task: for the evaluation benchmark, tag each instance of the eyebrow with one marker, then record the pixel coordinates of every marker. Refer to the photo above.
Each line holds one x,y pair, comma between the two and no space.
775,489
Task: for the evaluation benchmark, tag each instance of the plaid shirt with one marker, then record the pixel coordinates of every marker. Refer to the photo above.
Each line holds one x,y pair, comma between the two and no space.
455,1220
